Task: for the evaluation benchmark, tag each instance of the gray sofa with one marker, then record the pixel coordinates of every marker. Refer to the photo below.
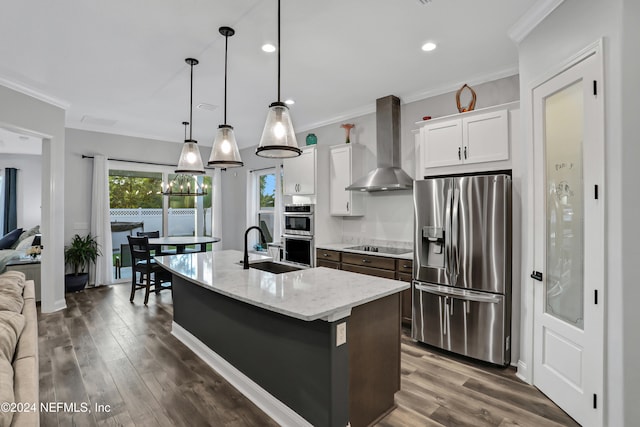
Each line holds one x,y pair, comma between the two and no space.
18,351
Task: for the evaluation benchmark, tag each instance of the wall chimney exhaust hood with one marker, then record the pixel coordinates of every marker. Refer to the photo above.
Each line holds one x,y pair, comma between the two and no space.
388,175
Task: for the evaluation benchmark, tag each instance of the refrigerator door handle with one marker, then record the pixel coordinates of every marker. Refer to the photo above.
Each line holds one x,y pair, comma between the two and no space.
459,294
455,235
447,236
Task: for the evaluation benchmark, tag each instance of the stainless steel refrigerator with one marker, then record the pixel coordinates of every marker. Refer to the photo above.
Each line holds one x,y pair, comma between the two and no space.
462,265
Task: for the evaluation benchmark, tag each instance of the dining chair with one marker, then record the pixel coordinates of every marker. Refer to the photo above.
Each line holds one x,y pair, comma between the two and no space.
144,270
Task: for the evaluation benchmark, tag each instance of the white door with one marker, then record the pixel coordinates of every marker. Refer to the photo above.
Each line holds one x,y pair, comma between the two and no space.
485,137
568,122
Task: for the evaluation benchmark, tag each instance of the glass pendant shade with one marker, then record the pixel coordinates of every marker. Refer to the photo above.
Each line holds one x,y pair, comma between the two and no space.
278,138
225,151
190,160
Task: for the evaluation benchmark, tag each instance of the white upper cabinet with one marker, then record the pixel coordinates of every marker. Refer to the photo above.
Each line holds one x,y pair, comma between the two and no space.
299,173
345,166
481,138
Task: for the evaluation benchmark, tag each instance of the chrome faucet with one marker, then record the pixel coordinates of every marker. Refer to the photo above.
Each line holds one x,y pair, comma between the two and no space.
245,260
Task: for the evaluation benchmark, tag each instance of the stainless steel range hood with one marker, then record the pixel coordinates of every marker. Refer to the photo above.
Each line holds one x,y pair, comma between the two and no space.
388,175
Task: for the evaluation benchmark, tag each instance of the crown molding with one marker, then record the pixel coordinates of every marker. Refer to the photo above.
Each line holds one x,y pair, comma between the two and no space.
532,18
49,99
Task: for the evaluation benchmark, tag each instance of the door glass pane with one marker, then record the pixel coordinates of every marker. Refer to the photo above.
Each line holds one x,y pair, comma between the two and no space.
190,215
564,206
135,205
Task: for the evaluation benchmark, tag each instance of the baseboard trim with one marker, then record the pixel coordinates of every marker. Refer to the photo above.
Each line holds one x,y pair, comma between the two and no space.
523,372
277,410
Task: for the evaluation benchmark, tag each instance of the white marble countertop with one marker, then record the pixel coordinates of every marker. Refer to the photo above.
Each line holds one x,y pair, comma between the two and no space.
342,247
310,294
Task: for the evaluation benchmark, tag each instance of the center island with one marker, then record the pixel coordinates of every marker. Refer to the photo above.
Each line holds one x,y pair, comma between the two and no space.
315,347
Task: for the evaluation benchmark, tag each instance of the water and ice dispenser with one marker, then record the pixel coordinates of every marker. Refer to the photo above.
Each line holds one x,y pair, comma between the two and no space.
432,247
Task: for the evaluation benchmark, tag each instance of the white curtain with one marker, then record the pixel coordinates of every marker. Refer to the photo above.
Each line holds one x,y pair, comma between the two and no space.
252,205
278,210
216,215
102,274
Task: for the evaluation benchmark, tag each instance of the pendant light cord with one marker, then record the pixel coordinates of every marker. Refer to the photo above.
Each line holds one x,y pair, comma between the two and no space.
278,50
226,45
191,106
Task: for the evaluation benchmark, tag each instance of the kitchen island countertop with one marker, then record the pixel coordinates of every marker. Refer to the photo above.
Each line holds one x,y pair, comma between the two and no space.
309,294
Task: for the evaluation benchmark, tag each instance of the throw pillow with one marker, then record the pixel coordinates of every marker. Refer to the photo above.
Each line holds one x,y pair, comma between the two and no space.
10,238
11,326
27,233
11,301
6,391
25,243
12,278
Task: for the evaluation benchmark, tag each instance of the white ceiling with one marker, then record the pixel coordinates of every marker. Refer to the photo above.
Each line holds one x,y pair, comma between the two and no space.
123,61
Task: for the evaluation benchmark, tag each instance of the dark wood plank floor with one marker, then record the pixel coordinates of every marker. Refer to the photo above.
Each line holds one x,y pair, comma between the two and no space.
103,350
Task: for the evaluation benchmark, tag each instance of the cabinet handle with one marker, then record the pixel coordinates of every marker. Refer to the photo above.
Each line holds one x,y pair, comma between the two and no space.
405,266
347,206
365,261
459,156
465,153
325,254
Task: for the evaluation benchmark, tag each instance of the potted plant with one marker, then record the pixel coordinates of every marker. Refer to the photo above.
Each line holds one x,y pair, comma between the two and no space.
78,255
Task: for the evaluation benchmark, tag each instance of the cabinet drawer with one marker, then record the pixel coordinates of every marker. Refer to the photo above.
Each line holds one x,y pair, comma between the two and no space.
320,262
404,266
369,261
387,274
404,277
328,255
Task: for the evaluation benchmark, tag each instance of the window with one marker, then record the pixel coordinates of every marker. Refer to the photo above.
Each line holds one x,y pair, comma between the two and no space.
2,200
137,204
264,205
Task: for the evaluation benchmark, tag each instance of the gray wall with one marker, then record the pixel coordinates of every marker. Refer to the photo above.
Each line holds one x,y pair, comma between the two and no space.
29,186
234,198
79,171
28,115
388,214
573,26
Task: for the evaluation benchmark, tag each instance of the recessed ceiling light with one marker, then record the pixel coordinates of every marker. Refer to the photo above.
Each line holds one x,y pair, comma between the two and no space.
289,102
268,47
429,46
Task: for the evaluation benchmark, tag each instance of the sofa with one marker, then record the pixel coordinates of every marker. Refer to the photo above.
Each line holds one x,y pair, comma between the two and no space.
19,393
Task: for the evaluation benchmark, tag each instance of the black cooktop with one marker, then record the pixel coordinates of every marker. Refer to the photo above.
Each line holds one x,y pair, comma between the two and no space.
380,249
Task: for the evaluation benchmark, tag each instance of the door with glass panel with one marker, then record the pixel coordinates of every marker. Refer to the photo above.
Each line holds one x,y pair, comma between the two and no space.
569,255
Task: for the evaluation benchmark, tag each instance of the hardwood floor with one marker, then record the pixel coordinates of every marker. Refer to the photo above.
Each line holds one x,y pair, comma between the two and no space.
103,350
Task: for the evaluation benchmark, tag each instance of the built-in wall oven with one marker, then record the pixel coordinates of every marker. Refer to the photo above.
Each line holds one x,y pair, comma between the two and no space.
297,237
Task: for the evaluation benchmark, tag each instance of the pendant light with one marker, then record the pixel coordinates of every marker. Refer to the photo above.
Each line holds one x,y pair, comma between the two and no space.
225,149
184,184
278,138
190,160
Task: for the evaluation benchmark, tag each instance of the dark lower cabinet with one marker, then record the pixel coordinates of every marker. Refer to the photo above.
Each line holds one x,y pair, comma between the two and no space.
373,265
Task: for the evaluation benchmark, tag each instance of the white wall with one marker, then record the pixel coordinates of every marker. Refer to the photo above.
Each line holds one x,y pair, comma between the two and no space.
29,186
569,29
27,115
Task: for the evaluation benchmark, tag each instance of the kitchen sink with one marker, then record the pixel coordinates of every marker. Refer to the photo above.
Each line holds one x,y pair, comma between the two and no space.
273,267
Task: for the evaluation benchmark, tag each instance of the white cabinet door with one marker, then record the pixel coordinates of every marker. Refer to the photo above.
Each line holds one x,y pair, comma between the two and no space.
485,137
300,173
442,143
343,169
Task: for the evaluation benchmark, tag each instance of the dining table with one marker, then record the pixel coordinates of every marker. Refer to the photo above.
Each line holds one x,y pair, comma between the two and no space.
181,242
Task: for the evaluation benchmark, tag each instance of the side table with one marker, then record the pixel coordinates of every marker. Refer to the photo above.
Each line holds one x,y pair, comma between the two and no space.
31,269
